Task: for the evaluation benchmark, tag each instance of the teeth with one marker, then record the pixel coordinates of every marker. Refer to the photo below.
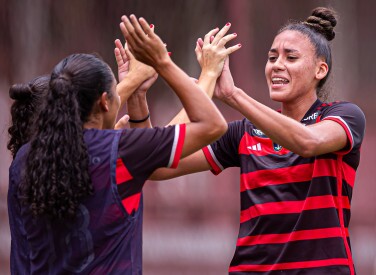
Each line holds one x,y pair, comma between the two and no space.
279,80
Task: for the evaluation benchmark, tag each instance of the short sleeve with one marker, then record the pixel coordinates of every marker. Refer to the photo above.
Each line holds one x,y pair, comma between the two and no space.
351,118
223,153
145,149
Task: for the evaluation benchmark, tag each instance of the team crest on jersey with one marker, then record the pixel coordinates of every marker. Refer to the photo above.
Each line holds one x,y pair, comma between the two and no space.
277,147
258,133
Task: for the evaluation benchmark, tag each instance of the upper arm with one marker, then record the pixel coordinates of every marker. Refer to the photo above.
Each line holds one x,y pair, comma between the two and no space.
216,157
341,129
143,150
192,164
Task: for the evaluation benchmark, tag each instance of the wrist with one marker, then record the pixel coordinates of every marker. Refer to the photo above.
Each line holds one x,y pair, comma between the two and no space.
232,97
163,64
209,74
131,120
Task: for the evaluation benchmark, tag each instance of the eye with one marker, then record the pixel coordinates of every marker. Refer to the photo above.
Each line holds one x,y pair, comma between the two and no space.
272,58
290,57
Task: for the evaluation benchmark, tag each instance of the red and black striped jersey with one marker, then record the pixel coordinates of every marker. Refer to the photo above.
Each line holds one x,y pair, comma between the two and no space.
105,237
295,211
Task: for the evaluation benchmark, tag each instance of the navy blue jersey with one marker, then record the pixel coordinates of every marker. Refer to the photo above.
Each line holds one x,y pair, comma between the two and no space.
106,235
295,211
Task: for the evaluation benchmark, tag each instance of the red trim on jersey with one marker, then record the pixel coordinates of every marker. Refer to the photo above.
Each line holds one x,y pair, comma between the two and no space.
122,173
334,232
131,203
341,218
290,207
179,146
215,168
347,130
292,265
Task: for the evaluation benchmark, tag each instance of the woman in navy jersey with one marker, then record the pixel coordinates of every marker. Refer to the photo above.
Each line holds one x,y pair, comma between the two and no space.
74,199
297,166
29,99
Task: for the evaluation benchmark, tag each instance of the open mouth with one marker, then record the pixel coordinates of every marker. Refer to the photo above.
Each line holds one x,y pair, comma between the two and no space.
279,81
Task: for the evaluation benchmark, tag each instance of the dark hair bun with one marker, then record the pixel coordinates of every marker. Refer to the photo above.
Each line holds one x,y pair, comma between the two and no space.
323,20
20,92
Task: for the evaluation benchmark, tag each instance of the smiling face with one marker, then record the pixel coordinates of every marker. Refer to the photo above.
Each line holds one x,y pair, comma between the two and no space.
293,70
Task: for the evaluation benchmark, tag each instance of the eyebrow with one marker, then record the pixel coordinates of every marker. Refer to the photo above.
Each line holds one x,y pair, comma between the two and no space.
286,50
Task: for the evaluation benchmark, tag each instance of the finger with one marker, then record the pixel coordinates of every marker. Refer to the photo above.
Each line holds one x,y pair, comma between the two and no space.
209,34
227,62
120,47
133,37
122,123
119,60
126,27
232,49
226,39
139,31
128,53
198,51
221,33
200,42
146,27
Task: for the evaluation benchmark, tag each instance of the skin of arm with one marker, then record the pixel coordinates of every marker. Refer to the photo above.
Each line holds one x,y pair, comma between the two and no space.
207,124
306,141
212,61
137,104
133,75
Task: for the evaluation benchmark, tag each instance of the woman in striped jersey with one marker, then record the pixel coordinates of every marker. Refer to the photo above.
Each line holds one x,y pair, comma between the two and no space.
297,166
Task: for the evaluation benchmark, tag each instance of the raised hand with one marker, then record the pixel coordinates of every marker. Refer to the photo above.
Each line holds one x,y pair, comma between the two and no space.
128,63
211,52
225,86
145,45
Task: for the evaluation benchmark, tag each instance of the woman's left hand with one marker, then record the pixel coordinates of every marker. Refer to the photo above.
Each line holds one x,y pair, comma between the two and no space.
211,52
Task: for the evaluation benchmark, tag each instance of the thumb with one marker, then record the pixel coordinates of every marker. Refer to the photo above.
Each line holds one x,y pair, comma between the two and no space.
122,123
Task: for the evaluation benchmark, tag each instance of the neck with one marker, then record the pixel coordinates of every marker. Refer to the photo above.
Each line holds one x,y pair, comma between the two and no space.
298,108
95,122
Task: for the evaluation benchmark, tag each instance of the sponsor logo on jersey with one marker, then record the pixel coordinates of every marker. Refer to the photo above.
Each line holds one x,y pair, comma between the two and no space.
256,147
258,133
311,117
277,147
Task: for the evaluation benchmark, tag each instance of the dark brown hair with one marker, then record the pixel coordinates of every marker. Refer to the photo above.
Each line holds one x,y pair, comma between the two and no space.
28,101
57,176
319,28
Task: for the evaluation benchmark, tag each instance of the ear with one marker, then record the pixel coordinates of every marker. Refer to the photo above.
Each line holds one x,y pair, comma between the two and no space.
322,70
103,102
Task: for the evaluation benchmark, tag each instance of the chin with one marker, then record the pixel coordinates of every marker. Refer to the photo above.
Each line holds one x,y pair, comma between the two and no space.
278,96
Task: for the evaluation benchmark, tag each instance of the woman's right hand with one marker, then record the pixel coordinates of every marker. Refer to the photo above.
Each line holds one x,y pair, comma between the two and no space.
211,52
144,44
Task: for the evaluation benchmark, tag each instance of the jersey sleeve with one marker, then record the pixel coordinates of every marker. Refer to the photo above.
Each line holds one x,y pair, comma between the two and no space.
223,153
146,149
352,119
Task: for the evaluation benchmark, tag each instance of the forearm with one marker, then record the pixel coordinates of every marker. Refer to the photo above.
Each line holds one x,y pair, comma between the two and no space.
283,130
127,86
207,83
138,109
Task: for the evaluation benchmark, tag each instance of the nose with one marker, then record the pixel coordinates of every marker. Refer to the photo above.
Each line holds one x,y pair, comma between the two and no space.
278,65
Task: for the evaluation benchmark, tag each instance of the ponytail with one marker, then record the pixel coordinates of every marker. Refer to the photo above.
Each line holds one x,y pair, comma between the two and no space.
57,176
28,99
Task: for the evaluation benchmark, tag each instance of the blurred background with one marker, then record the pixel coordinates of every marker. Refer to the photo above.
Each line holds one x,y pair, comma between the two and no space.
191,223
